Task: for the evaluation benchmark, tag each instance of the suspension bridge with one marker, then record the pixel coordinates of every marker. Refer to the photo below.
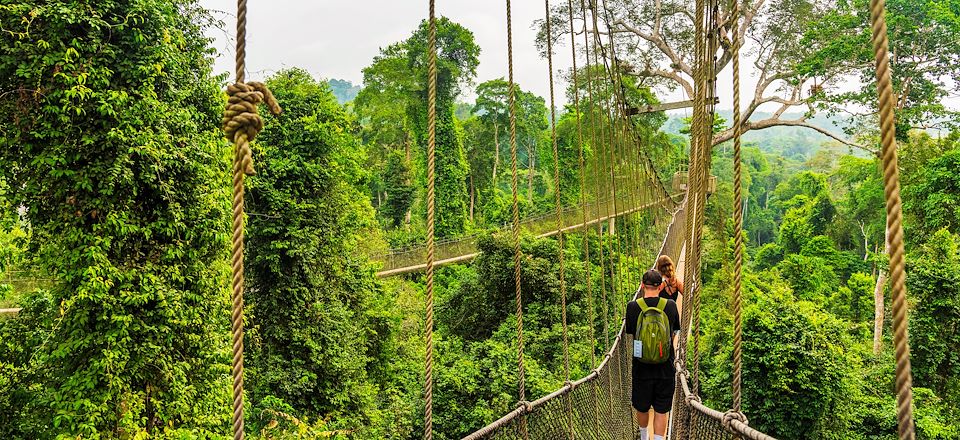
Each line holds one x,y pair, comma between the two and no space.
597,406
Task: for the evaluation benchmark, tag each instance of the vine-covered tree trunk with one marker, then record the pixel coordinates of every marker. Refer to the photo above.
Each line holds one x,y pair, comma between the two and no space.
113,145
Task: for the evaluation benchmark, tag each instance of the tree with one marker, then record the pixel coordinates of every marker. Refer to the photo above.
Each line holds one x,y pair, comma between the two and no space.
933,202
493,111
933,277
397,80
311,296
797,359
111,139
807,52
922,66
344,90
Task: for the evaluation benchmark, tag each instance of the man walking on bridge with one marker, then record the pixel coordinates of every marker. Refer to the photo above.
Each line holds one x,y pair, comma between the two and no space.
653,322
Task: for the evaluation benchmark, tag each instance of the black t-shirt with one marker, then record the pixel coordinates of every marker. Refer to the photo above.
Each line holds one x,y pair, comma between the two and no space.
671,296
653,371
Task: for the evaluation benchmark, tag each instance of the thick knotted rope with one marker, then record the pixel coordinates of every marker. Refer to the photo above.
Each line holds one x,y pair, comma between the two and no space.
891,190
730,416
559,213
241,121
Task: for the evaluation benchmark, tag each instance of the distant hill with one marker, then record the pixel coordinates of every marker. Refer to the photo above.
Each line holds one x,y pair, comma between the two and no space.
343,90
798,142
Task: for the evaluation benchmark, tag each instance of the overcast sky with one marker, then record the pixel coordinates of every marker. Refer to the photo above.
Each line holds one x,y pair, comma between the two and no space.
336,39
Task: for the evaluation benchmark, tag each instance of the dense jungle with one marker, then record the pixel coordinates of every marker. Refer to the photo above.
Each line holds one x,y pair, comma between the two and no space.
115,224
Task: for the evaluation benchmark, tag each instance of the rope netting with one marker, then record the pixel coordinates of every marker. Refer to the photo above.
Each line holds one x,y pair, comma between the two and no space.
600,402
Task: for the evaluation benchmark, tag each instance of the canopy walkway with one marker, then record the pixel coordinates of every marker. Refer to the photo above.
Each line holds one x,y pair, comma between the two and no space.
462,249
597,406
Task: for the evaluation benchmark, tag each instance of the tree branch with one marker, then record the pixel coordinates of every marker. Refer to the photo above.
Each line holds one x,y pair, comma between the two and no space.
777,122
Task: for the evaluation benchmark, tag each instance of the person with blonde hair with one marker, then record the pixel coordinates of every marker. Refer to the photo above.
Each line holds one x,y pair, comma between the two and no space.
671,287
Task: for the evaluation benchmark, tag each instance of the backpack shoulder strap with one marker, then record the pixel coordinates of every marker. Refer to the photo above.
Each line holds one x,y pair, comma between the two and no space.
662,304
643,305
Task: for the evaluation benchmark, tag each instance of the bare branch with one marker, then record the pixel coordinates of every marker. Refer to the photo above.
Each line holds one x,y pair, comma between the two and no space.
777,122
662,45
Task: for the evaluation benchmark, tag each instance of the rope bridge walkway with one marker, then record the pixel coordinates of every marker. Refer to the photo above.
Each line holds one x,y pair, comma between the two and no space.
410,259
598,406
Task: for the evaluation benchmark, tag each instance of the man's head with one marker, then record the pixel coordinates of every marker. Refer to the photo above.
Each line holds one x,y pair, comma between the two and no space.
651,283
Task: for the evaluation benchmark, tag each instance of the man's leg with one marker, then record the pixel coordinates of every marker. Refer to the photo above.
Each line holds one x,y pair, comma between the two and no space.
660,424
643,418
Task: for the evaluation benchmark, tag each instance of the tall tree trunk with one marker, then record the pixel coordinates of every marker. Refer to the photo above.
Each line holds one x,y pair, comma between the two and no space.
473,196
531,165
496,155
866,244
878,301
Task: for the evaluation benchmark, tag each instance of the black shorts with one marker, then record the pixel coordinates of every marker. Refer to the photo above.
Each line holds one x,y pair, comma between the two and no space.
657,393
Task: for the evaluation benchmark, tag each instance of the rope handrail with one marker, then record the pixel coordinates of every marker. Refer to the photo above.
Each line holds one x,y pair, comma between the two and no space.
549,233
535,217
605,364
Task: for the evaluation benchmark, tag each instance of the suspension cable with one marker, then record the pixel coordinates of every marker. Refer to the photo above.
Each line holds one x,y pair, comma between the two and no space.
587,267
583,188
241,123
559,209
598,188
891,190
737,223
597,185
706,143
517,255
431,216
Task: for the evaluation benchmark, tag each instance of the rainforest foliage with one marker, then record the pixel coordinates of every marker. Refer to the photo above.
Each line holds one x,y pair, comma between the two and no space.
114,232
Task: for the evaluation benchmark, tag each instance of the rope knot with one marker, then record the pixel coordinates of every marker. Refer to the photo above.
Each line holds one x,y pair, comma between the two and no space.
730,416
241,122
693,398
525,406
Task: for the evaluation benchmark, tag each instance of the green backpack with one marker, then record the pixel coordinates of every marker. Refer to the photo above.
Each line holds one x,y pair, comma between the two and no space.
651,344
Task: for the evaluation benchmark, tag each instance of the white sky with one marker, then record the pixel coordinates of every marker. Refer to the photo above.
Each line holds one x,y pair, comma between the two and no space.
336,39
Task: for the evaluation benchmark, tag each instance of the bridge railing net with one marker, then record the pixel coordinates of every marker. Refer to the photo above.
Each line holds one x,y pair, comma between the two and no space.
594,407
539,225
598,405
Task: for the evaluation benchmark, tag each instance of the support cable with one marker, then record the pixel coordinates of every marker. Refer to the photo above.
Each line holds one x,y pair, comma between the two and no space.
517,254
560,236
736,410
241,123
431,216
891,191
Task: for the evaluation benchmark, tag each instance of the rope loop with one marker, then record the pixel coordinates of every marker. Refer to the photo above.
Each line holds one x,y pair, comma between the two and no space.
525,406
693,398
242,122
730,416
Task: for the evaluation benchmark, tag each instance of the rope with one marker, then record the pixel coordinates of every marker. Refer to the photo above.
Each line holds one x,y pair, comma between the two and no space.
597,189
706,144
891,190
431,214
597,182
583,187
241,123
737,227
616,153
559,208
517,255
583,201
